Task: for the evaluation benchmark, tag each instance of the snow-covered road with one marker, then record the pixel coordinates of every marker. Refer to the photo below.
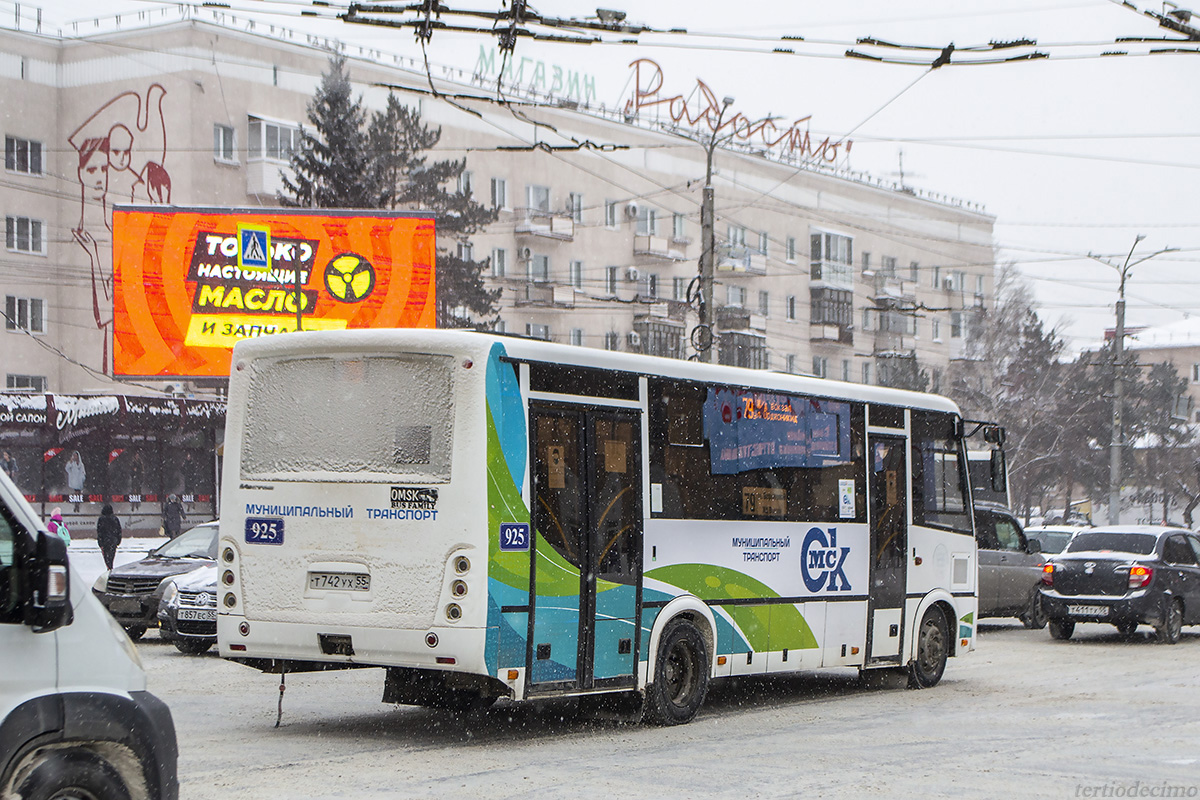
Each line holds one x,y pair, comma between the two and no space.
1023,716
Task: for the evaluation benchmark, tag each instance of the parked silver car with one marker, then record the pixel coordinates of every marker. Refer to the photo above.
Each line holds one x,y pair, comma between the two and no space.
1010,567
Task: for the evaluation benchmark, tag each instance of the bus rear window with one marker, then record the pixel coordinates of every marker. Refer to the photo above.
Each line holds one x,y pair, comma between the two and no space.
363,417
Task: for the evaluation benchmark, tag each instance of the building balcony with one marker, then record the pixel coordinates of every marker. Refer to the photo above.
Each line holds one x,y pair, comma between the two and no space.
545,295
739,259
659,247
893,343
546,224
735,318
831,332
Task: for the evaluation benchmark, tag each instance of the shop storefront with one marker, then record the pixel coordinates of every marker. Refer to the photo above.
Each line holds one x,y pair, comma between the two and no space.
76,453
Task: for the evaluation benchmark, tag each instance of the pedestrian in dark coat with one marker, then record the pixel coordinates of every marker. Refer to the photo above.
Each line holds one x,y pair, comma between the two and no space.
172,516
108,533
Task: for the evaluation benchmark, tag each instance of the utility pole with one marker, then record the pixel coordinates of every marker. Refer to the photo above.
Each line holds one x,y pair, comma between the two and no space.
708,242
1117,433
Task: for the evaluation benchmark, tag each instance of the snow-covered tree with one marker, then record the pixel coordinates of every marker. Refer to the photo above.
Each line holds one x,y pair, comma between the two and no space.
344,161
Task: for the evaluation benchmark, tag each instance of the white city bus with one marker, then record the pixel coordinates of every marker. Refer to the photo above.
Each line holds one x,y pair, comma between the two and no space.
491,517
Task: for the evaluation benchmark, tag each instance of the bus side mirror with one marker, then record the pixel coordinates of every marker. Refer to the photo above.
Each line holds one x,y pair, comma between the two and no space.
48,604
999,472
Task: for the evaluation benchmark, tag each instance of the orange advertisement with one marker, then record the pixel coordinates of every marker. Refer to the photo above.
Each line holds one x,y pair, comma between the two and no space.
191,282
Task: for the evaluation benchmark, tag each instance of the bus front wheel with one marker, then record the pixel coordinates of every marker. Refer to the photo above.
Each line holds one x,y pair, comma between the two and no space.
933,648
680,676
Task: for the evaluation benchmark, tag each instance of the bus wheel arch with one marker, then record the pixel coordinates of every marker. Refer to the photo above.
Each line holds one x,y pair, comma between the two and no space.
692,609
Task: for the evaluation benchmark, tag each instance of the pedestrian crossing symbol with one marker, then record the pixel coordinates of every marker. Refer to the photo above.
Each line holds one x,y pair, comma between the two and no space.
254,247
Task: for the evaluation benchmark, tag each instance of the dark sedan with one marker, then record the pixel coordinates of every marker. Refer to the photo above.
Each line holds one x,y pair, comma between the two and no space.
131,592
1126,575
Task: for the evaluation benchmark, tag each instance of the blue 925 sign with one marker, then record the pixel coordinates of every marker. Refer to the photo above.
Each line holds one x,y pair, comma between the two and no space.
264,530
514,536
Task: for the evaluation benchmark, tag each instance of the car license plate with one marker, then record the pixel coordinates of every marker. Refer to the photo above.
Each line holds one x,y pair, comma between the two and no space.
355,582
1088,611
125,606
198,614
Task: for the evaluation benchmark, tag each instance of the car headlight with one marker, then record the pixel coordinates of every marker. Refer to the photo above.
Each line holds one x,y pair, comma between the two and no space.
101,584
170,595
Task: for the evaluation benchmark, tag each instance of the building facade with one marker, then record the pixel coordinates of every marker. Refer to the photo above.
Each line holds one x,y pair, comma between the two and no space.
817,270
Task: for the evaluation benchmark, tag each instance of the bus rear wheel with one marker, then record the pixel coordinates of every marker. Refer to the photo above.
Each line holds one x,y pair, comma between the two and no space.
933,648
680,676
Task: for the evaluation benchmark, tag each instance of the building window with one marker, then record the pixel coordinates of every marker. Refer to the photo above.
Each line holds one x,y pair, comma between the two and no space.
737,236
647,221
577,337
223,145
501,326
24,235
846,370
1195,373
466,251
499,262
652,286
657,339
537,331
937,277
764,303
764,243
866,262
832,307
611,217
790,250
831,256
791,307
612,340
956,328
272,140
935,329
979,284
27,383
576,275
866,372
868,319
22,155
821,366
789,364
679,287
677,226
743,350
610,281
466,183
914,271
537,198
499,193
735,296
887,265
575,206
539,268
25,314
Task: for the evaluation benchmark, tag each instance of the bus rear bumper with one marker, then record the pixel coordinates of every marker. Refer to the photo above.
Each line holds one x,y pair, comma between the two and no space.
457,649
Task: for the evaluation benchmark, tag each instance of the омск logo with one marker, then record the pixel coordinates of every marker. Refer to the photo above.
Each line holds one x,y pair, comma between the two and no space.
349,277
822,560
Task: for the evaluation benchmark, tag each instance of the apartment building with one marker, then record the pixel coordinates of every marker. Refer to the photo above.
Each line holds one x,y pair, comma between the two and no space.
818,269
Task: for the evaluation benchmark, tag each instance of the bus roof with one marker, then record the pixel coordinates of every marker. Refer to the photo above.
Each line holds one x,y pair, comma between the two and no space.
536,350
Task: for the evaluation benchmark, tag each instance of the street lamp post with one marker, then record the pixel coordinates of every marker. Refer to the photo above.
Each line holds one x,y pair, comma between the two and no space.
708,239
1117,433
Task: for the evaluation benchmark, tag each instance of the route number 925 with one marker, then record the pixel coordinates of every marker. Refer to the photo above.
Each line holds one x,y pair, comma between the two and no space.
514,536
264,530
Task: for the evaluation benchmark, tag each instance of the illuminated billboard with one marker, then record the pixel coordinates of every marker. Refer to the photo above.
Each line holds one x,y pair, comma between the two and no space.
190,282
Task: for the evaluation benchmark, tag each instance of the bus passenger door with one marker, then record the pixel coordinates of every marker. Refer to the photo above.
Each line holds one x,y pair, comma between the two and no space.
587,521
889,543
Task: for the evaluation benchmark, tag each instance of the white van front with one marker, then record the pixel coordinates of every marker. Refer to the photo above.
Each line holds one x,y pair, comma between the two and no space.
75,716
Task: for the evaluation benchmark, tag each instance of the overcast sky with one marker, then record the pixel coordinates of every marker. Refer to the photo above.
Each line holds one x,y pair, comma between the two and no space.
1072,154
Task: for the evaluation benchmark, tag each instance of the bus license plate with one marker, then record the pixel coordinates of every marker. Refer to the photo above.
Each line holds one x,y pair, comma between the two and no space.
354,582
1088,611
198,614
